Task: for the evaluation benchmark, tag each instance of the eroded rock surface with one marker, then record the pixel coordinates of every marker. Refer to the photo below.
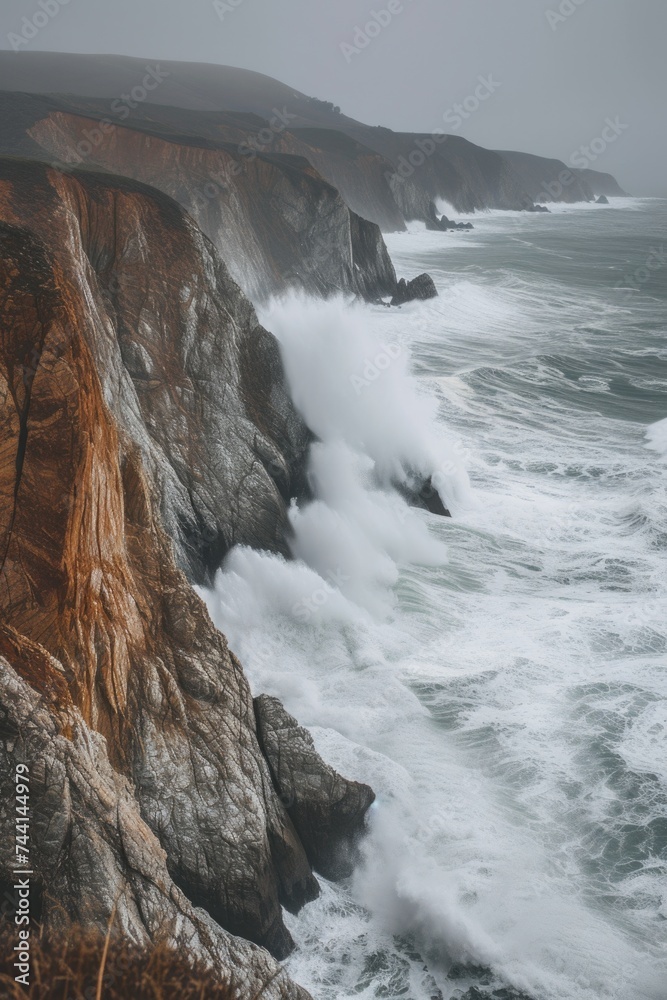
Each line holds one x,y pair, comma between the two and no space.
184,365
276,222
422,287
327,810
128,399
95,859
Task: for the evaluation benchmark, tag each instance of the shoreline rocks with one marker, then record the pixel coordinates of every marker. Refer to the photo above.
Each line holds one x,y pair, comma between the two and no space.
420,288
328,811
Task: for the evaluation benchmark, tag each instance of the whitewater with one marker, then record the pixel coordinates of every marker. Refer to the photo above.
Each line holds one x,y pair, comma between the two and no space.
499,677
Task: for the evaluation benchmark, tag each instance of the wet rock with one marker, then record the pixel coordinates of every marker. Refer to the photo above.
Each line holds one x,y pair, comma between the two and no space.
422,493
442,223
121,337
421,287
602,200
327,810
96,862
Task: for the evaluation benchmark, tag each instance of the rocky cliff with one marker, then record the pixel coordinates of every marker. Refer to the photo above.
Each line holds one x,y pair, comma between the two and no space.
600,183
548,180
144,427
383,176
276,222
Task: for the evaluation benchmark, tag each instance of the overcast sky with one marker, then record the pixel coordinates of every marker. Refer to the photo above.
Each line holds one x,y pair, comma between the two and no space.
560,68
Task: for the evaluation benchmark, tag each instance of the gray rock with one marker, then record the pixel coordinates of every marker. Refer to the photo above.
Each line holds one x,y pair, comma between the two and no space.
421,287
328,811
92,853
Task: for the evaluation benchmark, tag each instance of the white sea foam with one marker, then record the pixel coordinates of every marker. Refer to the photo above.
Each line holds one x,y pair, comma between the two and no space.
656,436
444,207
507,702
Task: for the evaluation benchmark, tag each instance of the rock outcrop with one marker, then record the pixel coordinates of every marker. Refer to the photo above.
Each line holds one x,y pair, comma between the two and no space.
443,224
422,287
327,811
97,861
140,403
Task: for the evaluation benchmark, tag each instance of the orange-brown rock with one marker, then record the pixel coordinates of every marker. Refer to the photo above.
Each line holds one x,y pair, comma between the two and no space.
130,411
274,219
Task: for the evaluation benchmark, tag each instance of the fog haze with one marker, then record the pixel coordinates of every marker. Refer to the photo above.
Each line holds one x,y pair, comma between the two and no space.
560,68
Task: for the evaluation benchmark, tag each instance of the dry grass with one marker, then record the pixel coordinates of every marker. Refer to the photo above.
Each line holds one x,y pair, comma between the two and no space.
87,966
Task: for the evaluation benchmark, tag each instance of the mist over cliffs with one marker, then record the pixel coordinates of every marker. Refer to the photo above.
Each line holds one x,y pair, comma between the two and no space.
147,430
286,186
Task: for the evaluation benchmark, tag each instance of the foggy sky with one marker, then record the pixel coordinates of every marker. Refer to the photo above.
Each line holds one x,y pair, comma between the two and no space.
556,79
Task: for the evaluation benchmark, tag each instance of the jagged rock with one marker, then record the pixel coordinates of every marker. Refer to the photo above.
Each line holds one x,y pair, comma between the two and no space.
421,287
121,335
535,208
95,860
444,224
422,493
375,271
327,810
602,200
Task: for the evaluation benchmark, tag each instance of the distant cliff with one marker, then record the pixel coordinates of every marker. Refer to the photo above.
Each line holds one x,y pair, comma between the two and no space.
385,177
273,218
601,183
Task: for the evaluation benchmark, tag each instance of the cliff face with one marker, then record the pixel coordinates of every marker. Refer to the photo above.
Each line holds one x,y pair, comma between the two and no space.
361,174
98,862
172,338
272,217
548,180
383,176
600,183
124,356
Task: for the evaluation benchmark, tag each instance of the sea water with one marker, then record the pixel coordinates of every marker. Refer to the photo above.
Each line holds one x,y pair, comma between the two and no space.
500,677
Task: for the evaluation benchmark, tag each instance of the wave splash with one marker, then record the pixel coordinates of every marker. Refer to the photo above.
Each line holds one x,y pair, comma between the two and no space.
430,679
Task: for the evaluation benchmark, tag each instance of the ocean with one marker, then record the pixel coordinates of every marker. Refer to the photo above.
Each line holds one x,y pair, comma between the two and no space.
500,677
